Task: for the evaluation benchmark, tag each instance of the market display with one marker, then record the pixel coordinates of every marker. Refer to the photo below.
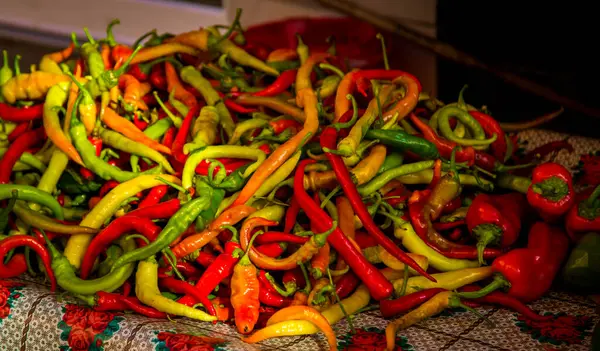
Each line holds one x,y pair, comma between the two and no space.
198,175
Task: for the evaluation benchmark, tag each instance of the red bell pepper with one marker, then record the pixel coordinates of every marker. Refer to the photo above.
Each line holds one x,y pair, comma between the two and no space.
551,191
528,272
584,216
495,220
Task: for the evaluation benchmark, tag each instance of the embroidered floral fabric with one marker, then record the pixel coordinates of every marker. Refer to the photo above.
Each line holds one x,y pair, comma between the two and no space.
33,318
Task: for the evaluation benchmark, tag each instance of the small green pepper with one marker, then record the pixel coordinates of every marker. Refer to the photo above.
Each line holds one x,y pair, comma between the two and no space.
582,270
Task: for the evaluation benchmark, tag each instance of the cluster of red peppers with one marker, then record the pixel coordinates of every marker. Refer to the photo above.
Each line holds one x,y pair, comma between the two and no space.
159,179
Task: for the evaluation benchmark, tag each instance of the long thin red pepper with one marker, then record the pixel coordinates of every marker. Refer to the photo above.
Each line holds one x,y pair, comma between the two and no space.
505,300
445,147
281,84
20,129
21,114
237,108
268,295
390,308
23,143
115,302
187,269
205,259
290,215
379,287
328,140
491,126
114,231
15,269
276,237
346,285
182,287
154,196
271,250
182,134
230,167
159,211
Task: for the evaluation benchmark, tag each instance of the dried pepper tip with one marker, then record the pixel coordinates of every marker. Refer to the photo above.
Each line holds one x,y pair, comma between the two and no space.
386,63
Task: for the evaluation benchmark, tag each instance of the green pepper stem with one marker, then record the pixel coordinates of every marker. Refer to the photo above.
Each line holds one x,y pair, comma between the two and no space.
74,40
173,185
386,64
593,197
232,27
330,195
125,65
90,300
110,37
499,282
486,233
144,36
17,64
512,182
552,188
289,289
176,120
351,122
461,99
170,257
89,36
332,68
5,59
138,236
308,285
245,260
321,239
235,236
404,281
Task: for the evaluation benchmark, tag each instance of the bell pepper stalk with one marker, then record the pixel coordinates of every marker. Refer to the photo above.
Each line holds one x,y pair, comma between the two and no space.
527,273
495,220
584,216
551,191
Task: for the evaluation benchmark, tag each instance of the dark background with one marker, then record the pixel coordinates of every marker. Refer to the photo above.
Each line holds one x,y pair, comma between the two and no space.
550,43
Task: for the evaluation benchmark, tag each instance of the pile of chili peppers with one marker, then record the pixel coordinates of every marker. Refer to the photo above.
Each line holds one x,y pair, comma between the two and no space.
187,175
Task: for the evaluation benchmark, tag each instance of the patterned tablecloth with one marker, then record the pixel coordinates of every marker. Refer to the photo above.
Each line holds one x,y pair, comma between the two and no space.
33,318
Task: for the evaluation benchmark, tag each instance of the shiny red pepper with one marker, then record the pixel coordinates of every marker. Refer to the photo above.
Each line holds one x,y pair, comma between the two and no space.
154,196
17,264
346,285
183,132
21,114
390,308
182,287
268,295
20,129
551,191
527,273
491,127
158,78
496,220
280,124
16,149
584,216
280,85
272,249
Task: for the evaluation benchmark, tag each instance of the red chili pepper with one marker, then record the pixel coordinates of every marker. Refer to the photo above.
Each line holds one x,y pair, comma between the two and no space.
495,220
528,272
16,149
295,277
21,114
141,124
281,124
456,234
114,231
276,237
169,137
379,287
186,268
230,167
272,249
17,264
363,240
20,129
219,270
183,132
158,79
397,196
268,295
328,140
237,108
290,215
584,216
135,71
154,196
439,226
468,252
491,126
280,85
115,302
452,205
205,259
445,147
183,287
346,285
551,191
542,151
505,300
159,211
108,186
390,308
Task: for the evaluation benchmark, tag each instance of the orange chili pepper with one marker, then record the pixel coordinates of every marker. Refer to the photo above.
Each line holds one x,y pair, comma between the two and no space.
245,293
105,53
320,261
174,85
437,173
283,54
285,151
127,128
60,56
72,97
303,77
195,242
300,298
132,98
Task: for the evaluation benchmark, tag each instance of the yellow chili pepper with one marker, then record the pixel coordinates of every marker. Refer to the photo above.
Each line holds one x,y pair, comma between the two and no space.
110,203
146,290
449,280
394,263
31,86
166,49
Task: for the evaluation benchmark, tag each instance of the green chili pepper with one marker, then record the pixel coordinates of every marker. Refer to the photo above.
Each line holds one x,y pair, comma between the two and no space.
302,50
112,254
27,161
329,86
7,210
216,196
392,160
425,177
17,65
74,213
463,116
284,65
68,280
218,151
71,183
109,79
29,193
5,72
385,177
93,59
40,221
123,143
233,182
403,141
205,129
154,132
583,266
280,174
177,224
194,78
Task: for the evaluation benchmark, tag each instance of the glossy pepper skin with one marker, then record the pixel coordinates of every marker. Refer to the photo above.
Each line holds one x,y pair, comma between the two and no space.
551,191
528,272
584,216
495,220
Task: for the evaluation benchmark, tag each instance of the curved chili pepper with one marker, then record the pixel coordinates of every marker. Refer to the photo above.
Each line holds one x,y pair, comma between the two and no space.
154,196
16,149
21,114
328,140
390,308
346,285
551,191
281,84
275,237
272,249
491,127
18,131
379,287
544,150
182,287
180,139
15,266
